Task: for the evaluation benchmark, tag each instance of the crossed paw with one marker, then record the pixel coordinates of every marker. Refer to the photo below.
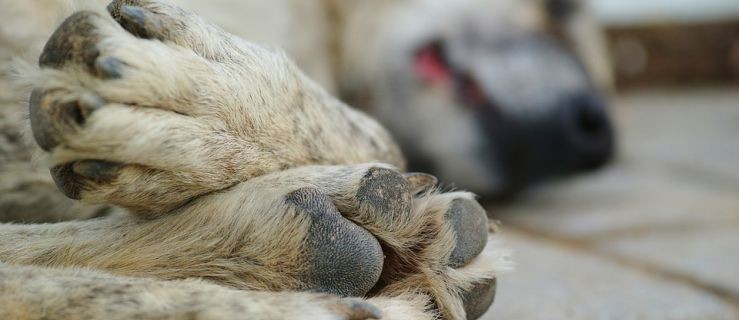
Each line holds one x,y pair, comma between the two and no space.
156,106
152,106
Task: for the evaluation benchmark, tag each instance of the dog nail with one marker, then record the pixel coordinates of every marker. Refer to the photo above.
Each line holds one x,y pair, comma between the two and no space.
96,169
139,21
420,182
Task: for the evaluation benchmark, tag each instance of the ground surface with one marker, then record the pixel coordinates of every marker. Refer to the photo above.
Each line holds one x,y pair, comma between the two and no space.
654,236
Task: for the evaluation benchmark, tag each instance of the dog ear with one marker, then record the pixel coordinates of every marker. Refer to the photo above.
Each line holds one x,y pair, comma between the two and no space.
561,10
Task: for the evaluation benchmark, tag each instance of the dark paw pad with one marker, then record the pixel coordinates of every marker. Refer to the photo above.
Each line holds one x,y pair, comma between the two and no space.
344,259
470,223
385,191
479,299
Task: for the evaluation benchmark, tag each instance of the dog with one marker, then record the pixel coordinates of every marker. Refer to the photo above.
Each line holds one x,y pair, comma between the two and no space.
489,95
237,169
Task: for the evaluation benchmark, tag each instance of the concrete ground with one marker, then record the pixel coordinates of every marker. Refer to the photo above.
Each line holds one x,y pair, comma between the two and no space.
653,236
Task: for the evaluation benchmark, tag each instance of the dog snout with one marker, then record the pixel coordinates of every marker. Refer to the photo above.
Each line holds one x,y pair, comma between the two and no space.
587,130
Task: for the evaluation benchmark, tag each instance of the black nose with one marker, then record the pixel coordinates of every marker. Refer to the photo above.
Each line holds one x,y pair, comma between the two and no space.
587,129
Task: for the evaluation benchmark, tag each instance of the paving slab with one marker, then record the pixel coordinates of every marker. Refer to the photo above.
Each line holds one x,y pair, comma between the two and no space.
653,236
619,199
556,282
708,254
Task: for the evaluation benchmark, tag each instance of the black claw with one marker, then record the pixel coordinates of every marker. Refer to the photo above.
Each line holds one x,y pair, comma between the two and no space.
65,179
109,67
96,170
139,21
470,223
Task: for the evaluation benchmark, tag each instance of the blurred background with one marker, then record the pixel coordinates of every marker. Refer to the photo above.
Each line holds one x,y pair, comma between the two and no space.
655,235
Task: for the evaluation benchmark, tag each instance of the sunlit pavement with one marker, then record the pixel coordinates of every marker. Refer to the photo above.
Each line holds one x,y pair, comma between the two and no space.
654,236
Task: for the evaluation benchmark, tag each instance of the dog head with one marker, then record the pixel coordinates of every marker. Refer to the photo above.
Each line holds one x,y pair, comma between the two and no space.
493,95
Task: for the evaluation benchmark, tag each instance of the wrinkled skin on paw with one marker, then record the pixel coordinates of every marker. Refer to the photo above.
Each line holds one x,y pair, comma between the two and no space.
154,107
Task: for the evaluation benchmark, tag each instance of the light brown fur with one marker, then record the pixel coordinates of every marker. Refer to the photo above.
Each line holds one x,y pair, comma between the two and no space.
207,116
249,240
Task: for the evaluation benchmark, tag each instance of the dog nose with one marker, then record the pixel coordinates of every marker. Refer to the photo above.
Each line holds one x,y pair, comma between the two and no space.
588,133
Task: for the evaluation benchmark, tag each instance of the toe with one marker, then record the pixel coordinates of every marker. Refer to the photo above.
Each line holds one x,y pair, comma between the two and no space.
55,111
479,299
74,41
387,191
470,224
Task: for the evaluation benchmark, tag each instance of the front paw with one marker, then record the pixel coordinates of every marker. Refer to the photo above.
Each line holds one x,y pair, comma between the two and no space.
434,242
144,122
439,246
152,106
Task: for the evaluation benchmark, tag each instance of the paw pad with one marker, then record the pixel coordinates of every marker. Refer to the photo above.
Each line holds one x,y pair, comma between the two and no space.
470,223
385,190
343,258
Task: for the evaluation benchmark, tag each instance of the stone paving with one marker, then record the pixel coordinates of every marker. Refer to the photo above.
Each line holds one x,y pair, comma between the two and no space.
654,236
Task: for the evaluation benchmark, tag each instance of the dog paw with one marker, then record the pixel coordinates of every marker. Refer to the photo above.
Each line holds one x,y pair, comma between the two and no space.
152,106
434,242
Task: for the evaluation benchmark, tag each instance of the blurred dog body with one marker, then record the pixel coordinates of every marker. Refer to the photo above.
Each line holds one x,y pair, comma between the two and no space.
490,94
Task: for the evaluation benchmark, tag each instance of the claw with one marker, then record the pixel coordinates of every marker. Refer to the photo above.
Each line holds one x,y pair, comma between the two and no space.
109,67
51,110
361,310
96,170
86,105
139,21
420,182
65,180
